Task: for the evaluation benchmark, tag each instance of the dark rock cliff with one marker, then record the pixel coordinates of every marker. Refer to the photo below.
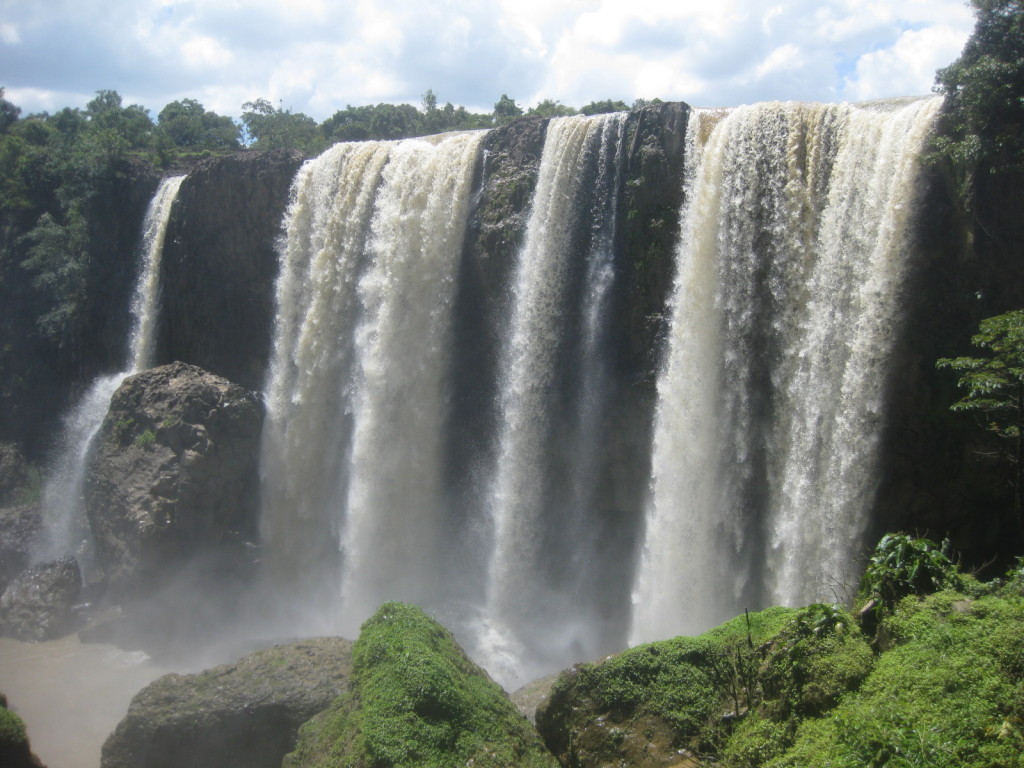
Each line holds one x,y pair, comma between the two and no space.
220,263
943,474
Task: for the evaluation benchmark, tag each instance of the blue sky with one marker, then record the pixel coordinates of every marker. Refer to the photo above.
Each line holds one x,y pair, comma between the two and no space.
317,56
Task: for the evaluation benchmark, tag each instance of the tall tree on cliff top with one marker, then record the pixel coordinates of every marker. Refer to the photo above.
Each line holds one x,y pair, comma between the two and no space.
984,92
270,128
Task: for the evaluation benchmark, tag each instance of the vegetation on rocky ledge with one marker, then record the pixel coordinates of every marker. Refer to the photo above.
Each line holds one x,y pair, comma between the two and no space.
417,700
939,681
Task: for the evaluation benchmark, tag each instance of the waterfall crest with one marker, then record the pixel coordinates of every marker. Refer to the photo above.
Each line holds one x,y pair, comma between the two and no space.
66,528
772,399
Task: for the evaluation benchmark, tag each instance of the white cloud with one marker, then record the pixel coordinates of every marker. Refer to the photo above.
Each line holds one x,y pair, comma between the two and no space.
906,68
319,55
9,34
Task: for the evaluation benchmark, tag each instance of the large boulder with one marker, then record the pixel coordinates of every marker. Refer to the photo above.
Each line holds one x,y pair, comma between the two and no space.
172,477
241,715
417,700
37,604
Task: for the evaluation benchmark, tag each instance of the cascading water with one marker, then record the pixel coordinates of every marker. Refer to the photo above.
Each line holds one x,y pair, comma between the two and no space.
771,403
542,483
352,459
66,527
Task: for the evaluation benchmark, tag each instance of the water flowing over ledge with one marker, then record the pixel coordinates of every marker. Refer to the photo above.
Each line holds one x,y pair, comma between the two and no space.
772,401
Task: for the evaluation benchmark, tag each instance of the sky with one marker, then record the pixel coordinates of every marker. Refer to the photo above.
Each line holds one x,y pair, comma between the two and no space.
319,56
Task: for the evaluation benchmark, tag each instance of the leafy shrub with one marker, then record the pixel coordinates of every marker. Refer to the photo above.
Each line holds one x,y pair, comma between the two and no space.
12,729
144,438
902,565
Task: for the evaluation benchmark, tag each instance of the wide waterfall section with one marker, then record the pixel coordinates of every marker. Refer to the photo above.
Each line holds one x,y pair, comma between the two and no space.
771,403
352,459
67,531
539,607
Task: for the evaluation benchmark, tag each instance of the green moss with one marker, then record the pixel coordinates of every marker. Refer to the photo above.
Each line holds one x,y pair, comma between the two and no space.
417,700
12,729
949,693
146,437
754,742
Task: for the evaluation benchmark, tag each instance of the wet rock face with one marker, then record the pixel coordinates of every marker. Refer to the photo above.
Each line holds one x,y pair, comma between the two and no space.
243,715
172,476
14,474
37,604
20,527
220,264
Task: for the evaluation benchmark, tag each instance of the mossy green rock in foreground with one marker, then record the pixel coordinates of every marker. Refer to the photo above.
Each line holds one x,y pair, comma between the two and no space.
417,700
803,688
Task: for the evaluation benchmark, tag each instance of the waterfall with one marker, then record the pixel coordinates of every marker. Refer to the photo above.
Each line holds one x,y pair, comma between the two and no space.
551,397
772,400
352,460
66,526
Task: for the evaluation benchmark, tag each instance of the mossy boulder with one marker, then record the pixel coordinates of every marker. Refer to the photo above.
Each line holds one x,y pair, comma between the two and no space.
14,747
417,701
242,715
735,691
949,691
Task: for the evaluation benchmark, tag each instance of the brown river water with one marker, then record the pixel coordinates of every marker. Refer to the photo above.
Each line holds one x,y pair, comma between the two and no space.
71,695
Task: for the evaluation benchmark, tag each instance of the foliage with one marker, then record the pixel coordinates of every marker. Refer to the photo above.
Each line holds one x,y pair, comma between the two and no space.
12,729
994,383
270,128
417,701
901,565
144,438
813,662
506,110
948,694
603,107
549,108
188,124
984,92
994,387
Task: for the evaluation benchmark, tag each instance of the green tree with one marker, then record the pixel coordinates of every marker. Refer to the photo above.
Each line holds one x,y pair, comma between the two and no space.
118,128
270,128
984,94
551,108
189,124
506,110
604,107
9,113
994,386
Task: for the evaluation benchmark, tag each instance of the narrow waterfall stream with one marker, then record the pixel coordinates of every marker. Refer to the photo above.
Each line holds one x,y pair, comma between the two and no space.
550,376
772,400
66,527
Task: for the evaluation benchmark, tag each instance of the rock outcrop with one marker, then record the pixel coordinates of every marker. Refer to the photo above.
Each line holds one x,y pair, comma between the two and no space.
417,700
241,715
20,527
172,476
37,604
220,263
